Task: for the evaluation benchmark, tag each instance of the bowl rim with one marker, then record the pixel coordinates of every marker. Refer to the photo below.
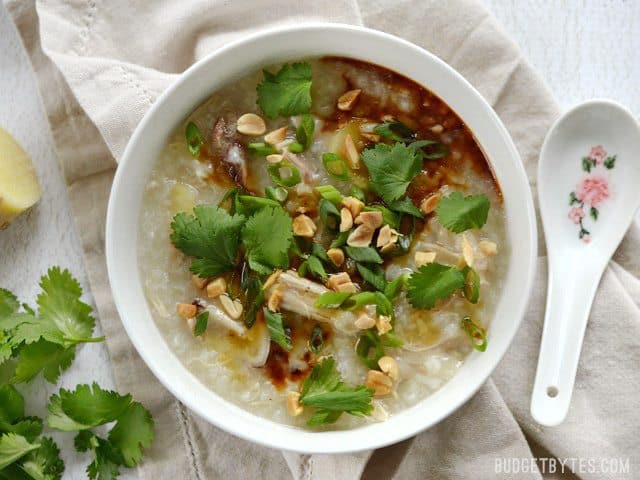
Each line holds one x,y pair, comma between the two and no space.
232,418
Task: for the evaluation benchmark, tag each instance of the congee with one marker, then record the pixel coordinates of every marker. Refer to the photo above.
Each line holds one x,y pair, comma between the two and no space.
322,243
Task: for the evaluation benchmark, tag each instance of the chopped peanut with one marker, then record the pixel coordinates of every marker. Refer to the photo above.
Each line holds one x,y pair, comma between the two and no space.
379,382
365,321
303,226
276,136
186,310
354,205
389,366
274,158
387,118
293,403
346,220
251,124
216,288
351,152
422,258
467,251
383,323
336,255
387,238
488,248
349,287
338,279
371,219
437,129
199,282
275,299
430,203
232,307
360,237
272,279
348,99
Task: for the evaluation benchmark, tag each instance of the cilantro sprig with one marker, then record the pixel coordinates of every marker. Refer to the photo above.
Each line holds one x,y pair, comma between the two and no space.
23,453
44,341
392,168
90,406
324,390
433,282
267,237
287,92
459,213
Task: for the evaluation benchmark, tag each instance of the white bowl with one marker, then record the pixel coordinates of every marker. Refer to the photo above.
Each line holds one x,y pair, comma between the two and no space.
243,57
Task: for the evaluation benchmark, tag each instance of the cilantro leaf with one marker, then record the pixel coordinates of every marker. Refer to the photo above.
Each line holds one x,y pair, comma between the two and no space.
132,433
60,305
433,282
8,303
13,447
86,406
45,462
212,236
11,404
458,213
323,389
105,465
395,130
276,329
304,132
29,427
267,237
405,205
391,169
43,356
286,93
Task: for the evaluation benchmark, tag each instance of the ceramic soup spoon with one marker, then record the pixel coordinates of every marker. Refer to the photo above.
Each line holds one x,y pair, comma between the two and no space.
589,190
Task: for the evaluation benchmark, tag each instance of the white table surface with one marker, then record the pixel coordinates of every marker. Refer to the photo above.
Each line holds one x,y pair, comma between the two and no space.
582,48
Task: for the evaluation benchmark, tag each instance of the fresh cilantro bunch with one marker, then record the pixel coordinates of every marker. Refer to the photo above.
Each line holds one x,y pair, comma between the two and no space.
88,407
23,452
324,390
213,236
45,341
287,92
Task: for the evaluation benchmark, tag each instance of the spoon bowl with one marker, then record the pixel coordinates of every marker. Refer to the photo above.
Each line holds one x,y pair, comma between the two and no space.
588,184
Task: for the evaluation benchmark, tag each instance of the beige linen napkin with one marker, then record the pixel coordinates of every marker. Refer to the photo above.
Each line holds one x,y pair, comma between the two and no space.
111,59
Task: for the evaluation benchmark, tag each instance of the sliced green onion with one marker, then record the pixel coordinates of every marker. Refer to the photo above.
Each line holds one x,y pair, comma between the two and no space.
335,166
319,251
331,299
369,349
430,149
405,205
395,130
296,147
391,340
394,287
201,323
229,193
363,254
275,172
194,138
373,275
255,299
471,288
304,133
275,325
329,213
316,340
340,240
279,194
262,149
476,333
316,267
357,192
329,192
248,204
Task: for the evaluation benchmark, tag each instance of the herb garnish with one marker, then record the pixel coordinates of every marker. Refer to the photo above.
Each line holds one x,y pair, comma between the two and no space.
202,320
335,166
433,282
304,132
476,333
286,93
211,236
391,169
267,237
292,174
194,138
458,213
275,324
324,390
395,130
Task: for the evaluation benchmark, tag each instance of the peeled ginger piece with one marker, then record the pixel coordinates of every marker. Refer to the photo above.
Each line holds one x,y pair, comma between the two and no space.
19,188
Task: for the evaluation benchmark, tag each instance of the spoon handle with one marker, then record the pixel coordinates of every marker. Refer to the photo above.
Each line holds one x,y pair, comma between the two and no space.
572,287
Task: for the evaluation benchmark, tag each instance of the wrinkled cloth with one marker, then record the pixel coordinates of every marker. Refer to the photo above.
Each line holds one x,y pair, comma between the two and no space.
101,64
